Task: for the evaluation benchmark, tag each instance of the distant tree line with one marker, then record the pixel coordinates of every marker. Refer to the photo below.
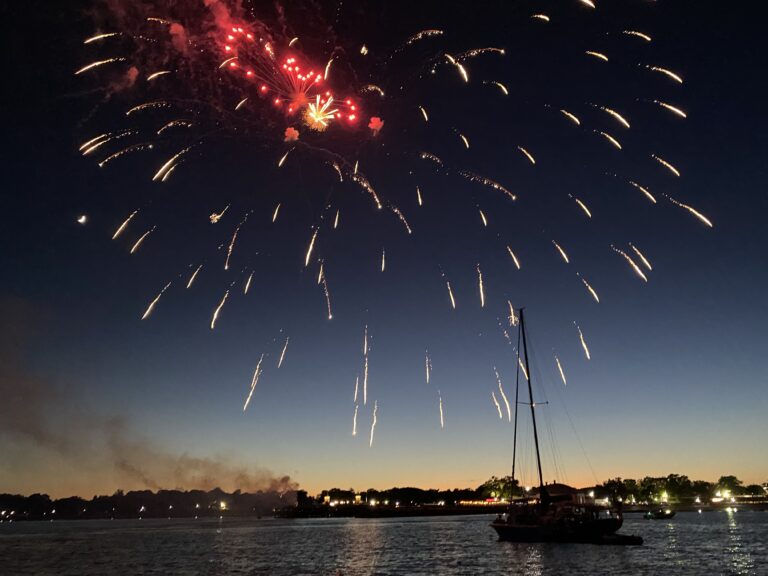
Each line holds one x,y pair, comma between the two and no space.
501,488
144,504
676,488
216,502
673,488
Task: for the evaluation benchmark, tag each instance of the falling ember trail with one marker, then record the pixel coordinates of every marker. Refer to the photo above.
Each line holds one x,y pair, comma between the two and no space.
522,367
354,422
613,113
124,225
668,73
571,117
254,381
459,67
496,403
232,243
480,286
561,251
560,369
666,165
373,422
674,109
100,37
383,259
284,157
274,214
218,309
450,294
427,365
166,168
194,275
365,381
140,241
598,55
366,185
151,306
582,206
311,246
442,417
692,210
282,354
644,191
327,299
638,34
512,318
631,262
401,216
357,386
133,148
163,73
591,290
336,220
527,155
500,86
487,182
93,141
615,143
642,257
583,342
248,283
503,396
97,64
514,258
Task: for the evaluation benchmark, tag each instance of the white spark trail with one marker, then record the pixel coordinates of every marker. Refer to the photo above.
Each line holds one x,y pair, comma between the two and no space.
282,354
218,309
514,257
373,422
122,226
254,381
480,286
503,396
194,275
151,306
442,418
496,403
583,342
560,369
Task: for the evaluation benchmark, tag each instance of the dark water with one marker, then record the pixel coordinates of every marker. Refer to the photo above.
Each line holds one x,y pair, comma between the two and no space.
710,543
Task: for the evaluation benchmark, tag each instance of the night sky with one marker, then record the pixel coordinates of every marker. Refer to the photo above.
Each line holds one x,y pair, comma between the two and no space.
95,399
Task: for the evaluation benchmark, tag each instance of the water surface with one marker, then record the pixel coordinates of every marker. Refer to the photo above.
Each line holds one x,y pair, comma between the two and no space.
711,543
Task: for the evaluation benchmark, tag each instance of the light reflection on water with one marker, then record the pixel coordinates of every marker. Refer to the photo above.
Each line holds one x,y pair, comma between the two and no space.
689,544
741,559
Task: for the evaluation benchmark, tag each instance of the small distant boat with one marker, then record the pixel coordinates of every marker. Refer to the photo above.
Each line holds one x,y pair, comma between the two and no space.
659,514
556,513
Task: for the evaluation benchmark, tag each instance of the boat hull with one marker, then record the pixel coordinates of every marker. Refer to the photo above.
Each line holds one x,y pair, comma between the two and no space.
659,514
597,532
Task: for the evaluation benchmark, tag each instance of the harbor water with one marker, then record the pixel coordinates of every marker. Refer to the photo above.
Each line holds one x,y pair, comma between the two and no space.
711,543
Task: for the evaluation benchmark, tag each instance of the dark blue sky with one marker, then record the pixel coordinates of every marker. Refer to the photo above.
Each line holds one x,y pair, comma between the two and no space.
677,378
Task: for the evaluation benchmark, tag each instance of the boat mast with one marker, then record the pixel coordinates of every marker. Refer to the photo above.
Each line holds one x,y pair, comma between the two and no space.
530,396
517,395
